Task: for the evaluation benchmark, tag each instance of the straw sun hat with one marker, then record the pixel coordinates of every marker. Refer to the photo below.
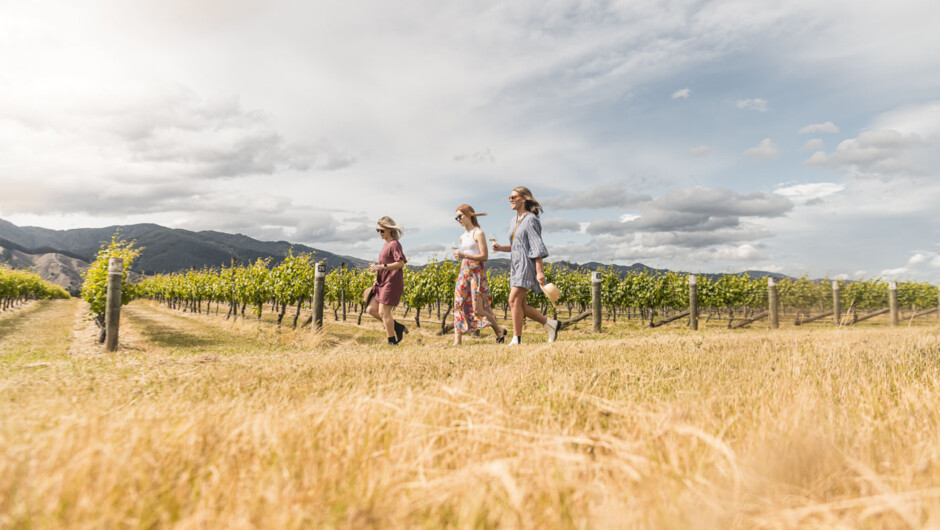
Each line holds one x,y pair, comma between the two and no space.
551,292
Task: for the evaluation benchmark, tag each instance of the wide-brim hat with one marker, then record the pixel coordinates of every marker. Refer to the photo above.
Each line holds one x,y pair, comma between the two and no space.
551,292
391,226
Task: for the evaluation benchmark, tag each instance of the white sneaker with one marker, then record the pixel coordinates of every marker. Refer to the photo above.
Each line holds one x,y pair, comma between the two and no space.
514,341
551,326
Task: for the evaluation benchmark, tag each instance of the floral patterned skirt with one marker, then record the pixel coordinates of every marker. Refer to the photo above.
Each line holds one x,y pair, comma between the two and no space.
471,286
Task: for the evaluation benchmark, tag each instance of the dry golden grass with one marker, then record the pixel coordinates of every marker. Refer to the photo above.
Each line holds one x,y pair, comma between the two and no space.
202,423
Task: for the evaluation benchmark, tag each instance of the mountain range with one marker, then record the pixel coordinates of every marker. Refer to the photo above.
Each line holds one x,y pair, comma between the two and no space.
61,256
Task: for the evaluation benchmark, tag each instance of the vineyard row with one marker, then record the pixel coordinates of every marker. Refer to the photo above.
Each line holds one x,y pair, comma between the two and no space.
18,286
289,286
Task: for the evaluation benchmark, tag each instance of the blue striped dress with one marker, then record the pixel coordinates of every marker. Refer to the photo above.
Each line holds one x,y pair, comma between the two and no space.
527,246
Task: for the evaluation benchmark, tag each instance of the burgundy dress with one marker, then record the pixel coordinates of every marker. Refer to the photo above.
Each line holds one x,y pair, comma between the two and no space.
389,285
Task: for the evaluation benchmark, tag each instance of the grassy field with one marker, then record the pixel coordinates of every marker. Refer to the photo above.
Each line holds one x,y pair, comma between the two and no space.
202,423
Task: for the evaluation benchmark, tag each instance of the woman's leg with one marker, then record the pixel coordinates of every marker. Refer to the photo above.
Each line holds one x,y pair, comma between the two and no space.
463,292
551,326
517,305
385,312
373,309
486,312
533,313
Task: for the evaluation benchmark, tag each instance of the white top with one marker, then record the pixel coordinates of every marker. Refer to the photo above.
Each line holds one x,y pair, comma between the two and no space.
468,245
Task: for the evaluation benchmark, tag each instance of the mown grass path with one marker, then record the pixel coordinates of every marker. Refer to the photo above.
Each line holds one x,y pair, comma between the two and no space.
41,331
179,332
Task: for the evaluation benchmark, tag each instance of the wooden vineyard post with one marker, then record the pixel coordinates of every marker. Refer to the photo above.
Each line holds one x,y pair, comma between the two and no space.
836,303
693,302
112,314
319,279
893,302
596,299
342,292
234,307
772,302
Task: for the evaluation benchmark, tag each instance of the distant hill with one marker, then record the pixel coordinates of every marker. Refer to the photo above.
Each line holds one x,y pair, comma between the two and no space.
55,267
639,267
500,265
166,249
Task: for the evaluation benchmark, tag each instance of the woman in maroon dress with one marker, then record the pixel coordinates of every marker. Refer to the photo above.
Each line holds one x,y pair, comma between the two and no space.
389,280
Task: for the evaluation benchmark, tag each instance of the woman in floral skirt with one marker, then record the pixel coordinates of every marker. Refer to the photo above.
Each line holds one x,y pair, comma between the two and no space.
472,294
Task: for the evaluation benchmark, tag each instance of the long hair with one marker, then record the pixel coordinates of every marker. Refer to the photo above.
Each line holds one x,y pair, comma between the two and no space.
467,210
388,223
531,205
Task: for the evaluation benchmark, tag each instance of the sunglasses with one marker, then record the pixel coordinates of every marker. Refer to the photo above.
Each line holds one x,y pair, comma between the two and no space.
513,197
458,218
380,230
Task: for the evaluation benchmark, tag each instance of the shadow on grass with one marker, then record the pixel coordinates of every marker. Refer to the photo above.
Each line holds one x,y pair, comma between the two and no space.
9,326
15,322
166,336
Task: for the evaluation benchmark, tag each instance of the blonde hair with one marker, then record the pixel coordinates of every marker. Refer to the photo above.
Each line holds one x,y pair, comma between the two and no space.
531,205
467,210
389,224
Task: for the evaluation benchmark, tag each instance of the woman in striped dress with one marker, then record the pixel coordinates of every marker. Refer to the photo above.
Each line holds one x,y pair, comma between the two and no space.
527,251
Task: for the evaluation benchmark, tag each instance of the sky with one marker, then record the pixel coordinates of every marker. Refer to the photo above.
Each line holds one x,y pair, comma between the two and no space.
798,137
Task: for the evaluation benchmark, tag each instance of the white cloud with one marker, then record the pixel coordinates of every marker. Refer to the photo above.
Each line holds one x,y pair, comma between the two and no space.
712,224
627,217
699,151
878,152
827,127
740,256
921,264
892,274
682,93
427,248
814,144
809,193
901,142
558,224
756,104
745,252
917,258
612,195
478,157
921,120
765,150
859,223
